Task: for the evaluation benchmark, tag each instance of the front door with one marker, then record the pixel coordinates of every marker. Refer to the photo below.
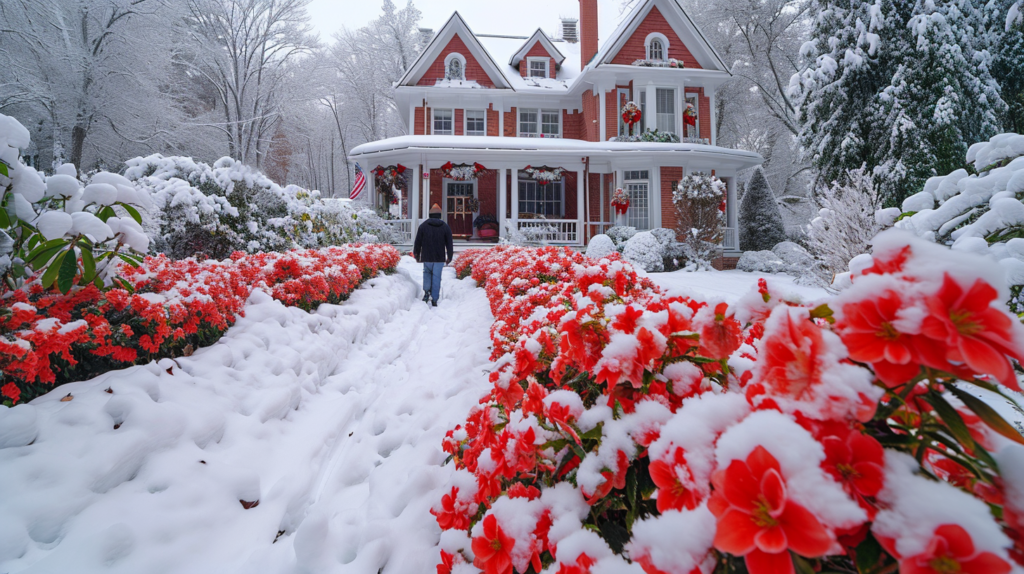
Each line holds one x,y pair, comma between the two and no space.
460,197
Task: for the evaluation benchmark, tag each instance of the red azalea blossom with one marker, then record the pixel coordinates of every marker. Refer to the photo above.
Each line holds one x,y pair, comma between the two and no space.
951,550
757,520
867,331
672,493
719,338
493,550
856,461
971,330
791,356
581,566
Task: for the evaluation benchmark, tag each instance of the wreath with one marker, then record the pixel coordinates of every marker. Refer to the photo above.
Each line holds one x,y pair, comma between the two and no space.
620,201
461,172
631,114
690,115
473,204
544,174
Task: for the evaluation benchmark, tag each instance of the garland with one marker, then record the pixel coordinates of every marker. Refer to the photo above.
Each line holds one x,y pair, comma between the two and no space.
620,201
545,174
670,63
461,172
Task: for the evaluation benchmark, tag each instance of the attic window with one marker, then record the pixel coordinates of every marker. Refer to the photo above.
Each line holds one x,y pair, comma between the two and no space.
455,67
657,47
538,67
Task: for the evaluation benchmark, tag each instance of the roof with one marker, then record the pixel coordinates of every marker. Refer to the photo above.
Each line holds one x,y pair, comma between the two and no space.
504,49
538,36
453,26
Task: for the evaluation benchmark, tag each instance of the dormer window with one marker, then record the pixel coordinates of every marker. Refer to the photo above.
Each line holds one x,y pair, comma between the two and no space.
538,67
657,47
455,67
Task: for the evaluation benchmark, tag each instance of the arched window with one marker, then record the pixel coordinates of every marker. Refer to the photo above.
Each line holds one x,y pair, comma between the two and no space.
656,50
455,68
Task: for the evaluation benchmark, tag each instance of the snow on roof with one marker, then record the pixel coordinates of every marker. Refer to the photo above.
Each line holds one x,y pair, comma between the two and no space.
502,49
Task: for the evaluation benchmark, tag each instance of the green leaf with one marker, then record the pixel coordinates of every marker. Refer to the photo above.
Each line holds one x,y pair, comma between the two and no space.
68,270
47,246
50,275
802,565
951,418
129,259
821,312
88,266
106,213
987,414
132,212
4,171
869,553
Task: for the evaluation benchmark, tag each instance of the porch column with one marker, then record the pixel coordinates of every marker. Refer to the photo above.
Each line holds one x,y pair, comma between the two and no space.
602,197
651,119
515,198
731,211
502,200
580,236
602,115
414,197
425,209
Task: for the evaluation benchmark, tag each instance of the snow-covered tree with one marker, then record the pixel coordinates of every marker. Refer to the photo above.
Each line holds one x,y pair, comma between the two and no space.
699,204
761,226
846,222
1008,67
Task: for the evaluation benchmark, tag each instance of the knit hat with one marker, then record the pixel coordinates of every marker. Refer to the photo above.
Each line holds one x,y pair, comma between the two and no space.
435,209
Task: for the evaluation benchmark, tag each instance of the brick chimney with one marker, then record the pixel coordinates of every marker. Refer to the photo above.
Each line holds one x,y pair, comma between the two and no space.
588,31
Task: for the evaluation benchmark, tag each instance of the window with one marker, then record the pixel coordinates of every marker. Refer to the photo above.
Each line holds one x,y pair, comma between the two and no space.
540,199
455,67
666,110
476,123
443,123
540,123
656,50
538,67
637,184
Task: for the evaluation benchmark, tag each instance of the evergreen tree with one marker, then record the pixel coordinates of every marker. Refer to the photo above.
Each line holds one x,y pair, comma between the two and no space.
761,226
900,87
1007,24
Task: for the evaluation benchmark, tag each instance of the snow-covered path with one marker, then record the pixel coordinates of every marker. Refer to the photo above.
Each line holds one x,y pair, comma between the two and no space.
332,420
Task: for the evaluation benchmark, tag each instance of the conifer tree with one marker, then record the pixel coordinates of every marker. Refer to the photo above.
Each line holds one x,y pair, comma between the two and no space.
761,226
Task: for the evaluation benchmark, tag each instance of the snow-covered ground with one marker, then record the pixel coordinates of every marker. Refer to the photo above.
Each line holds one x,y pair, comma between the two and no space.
332,420
729,285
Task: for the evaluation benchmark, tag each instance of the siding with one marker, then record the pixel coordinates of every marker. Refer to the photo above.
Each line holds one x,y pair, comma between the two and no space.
474,71
636,48
538,51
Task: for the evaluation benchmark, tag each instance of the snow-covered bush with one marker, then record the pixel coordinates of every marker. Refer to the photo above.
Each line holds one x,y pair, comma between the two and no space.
846,222
227,207
980,213
645,251
620,234
786,257
631,430
699,202
674,253
761,225
600,246
56,233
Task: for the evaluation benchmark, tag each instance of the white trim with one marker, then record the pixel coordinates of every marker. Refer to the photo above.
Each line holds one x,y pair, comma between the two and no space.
444,200
540,121
452,27
664,46
602,115
545,61
538,36
448,60
465,120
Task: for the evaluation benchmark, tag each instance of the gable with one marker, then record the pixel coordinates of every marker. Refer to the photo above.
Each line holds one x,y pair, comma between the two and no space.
635,47
474,70
538,51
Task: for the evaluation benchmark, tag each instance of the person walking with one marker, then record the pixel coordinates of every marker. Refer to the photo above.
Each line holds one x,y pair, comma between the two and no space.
433,248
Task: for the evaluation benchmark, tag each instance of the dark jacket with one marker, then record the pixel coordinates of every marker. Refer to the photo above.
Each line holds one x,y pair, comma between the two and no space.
433,242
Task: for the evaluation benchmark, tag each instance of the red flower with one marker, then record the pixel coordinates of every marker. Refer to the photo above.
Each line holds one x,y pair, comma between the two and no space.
790,357
952,550
445,567
11,391
972,331
856,460
868,332
756,520
719,338
453,513
581,566
493,550
672,493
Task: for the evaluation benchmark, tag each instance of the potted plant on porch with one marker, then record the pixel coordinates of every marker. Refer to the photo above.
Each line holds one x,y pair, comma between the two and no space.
487,227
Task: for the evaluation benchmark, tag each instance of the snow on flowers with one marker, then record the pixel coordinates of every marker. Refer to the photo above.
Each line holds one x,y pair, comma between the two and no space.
684,436
50,338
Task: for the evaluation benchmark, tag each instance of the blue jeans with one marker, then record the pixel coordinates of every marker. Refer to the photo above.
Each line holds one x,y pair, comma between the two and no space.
432,279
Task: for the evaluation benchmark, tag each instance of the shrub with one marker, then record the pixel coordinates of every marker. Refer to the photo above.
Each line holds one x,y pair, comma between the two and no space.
600,246
628,425
645,251
761,225
846,222
49,338
700,208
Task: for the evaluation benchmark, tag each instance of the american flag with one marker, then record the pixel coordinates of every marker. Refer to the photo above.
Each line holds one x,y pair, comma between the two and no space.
357,189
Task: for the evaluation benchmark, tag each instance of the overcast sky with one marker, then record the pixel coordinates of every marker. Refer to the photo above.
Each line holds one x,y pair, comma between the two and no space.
514,18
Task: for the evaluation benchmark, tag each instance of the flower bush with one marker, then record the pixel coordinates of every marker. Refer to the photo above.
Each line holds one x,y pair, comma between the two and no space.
768,436
165,307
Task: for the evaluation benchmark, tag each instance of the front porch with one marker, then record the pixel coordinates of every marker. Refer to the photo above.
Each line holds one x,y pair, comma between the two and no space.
556,192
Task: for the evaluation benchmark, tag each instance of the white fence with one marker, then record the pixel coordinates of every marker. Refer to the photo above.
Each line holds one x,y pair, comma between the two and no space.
551,230
401,229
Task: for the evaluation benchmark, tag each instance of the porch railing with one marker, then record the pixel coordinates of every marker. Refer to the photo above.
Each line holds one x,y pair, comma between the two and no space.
731,239
551,230
401,230
702,141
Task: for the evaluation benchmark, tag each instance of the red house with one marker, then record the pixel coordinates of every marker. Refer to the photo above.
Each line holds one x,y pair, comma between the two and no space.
531,131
